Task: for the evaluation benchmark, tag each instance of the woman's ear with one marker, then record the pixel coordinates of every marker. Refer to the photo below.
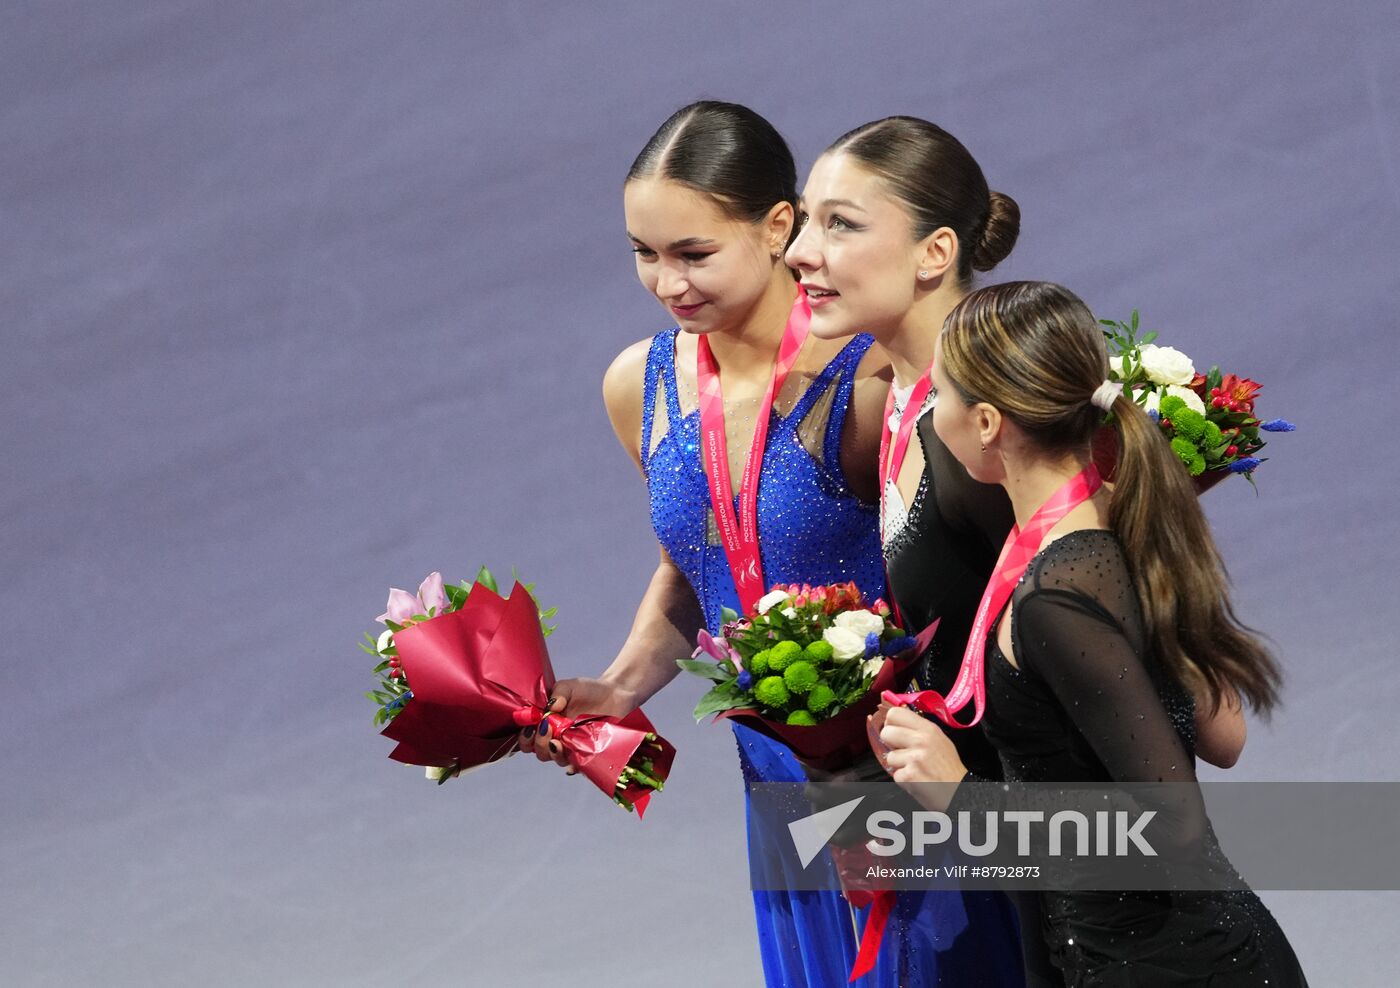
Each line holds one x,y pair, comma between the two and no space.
989,423
937,254
777,226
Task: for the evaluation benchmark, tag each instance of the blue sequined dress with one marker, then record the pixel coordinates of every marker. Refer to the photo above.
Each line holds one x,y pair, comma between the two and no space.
812,529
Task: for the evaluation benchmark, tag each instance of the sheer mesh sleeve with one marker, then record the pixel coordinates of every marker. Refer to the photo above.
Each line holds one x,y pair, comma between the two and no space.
1080,652
1077,630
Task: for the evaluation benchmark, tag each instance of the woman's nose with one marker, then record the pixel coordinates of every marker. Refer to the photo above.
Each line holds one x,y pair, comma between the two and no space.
800,253
672,281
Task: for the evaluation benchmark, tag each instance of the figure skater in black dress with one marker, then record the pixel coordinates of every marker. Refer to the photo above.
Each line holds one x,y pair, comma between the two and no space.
1118,622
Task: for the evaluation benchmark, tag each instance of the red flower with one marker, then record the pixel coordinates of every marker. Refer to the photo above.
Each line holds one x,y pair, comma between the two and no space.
1239,392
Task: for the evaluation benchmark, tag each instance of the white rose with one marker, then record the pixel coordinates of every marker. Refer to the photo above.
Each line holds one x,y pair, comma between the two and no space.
789,612
861,622
1115,366
386,638
771,600
1151,401
1166,365
872,667
845,643
1193,400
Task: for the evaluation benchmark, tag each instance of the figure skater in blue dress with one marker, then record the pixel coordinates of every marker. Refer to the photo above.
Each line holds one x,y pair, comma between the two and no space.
709,206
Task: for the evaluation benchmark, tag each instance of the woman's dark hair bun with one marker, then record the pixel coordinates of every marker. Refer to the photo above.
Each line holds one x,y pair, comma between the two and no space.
1000,233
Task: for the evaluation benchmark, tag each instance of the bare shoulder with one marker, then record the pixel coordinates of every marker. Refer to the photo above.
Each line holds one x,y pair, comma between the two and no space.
623,384
860,440
874,371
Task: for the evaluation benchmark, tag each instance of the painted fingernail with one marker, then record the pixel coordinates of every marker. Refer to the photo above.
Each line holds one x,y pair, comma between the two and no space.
529,732
544,727
555,747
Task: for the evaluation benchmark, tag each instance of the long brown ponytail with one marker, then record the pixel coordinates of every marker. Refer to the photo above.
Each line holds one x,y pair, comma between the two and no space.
1034,351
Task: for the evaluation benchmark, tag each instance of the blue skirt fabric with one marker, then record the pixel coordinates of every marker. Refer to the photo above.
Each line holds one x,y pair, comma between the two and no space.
809,939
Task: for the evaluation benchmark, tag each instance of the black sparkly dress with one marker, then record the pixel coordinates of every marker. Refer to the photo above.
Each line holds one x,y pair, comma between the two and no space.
1084,704
939,553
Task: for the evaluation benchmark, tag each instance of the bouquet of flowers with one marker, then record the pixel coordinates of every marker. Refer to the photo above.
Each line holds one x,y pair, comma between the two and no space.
805,668
1208,418
462,669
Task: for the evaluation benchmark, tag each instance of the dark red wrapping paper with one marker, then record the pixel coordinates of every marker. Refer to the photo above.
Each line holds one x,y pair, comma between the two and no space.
481,673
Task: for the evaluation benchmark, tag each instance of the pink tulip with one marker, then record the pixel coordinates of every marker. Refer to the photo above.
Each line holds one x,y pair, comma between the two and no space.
432,594
404,606
716,648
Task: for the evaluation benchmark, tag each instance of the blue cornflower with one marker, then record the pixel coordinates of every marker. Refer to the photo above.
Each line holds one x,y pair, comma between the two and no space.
1277,425
745,679
872,644
1245,465
1154,415
896,645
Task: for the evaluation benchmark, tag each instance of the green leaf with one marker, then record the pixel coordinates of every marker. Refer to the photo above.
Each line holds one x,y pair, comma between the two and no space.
728,616
705,668
484,577
718,700
1148,338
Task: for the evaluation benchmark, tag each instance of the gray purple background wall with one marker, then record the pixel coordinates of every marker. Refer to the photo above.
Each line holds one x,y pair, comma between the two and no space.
302,300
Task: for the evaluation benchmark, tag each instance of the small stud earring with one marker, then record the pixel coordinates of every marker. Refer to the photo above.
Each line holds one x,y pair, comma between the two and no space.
984,449
923,276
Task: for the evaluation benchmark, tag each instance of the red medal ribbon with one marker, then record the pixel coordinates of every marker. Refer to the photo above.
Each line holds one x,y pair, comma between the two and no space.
1020,548
740,534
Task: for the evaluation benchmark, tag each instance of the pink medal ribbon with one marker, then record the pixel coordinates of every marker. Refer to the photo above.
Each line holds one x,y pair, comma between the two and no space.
892,456
740,534
1020,548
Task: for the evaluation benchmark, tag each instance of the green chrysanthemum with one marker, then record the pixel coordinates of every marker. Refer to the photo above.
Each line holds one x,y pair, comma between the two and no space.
1170,406
818,652
1190,424
1187,452
758,665
1212,434
801,718
780,656
820,698
771,692
801,676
